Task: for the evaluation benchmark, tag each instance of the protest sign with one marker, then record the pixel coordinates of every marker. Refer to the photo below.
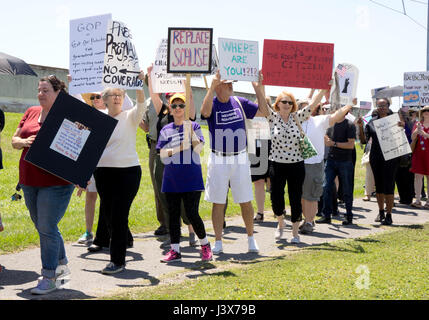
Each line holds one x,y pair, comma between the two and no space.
87,49
189,50
392,138
416,88
348,76
121,63
365,105
297,64
71,140
163,82
238,59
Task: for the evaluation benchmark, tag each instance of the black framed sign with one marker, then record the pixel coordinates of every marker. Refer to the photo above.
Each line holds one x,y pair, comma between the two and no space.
189,50
71,140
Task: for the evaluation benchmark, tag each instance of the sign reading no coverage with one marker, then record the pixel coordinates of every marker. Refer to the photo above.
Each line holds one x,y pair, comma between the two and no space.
189,50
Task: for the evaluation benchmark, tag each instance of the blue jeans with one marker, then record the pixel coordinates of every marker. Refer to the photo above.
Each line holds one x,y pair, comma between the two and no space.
47,206
344,171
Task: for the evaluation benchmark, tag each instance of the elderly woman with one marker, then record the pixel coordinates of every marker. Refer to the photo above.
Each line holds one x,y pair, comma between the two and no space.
118,173
180,143
287,163
384,171
46,195
420,158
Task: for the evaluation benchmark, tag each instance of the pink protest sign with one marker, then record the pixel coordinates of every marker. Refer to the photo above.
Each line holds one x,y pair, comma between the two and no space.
297,64
189,50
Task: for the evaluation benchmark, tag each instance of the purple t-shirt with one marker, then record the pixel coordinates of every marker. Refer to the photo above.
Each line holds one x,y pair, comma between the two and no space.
182,171
226,124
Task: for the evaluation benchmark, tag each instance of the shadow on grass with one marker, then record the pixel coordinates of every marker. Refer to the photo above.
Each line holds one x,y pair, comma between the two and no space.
354,248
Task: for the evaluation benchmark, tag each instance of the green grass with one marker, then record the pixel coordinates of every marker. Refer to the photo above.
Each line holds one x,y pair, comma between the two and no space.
396,263
20,233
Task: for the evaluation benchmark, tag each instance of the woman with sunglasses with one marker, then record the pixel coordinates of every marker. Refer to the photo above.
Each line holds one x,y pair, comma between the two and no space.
384,171
420,157
286,158
179,144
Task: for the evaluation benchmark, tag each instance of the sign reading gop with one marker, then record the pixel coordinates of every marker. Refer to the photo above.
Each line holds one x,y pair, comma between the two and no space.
189,50
238,59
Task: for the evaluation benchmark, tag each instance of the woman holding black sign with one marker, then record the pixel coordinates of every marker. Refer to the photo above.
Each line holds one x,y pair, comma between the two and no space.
118,173
46,196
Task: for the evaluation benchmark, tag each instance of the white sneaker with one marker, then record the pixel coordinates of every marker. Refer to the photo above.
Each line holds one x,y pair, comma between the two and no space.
279,233
295,240
217,248
253,246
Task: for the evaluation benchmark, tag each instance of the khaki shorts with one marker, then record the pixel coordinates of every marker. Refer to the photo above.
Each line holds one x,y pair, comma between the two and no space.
312,188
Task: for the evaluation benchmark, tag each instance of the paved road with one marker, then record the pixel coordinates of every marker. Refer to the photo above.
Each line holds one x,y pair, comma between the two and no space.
144,269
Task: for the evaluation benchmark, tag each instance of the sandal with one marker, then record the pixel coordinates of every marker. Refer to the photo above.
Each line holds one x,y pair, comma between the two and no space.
417,205
259,217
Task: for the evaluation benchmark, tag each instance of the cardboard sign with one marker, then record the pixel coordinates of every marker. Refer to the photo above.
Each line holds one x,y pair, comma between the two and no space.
416,88
162,81
71,140
189,50
238,59
87,49
297,64
121,63
348,76
392,138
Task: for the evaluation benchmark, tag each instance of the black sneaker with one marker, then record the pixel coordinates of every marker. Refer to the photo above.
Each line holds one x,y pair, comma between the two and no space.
387,221
94,248
380,217
162,230
323,220
347,222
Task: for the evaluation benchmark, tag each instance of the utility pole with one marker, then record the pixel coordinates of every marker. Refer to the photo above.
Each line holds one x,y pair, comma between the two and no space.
427,42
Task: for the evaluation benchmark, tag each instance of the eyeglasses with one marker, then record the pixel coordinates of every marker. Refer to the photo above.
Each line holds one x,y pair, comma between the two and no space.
114,95
382,105
287,102
95,97
181,106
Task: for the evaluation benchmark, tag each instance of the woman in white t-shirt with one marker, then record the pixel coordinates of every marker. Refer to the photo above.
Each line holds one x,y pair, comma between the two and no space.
315,129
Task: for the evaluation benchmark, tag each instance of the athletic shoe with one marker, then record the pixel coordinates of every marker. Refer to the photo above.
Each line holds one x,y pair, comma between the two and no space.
307,227
206,252
192,240
253,246
162,230
380,217
112,268
218,247
172,256
86,238
323,220
279,233
295,240
388,220
94,248
44,286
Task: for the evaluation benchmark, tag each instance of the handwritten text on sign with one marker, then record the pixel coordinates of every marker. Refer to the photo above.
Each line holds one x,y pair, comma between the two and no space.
297,64
238,59
189,50
392,138
121,64
416,88
69,140
87,48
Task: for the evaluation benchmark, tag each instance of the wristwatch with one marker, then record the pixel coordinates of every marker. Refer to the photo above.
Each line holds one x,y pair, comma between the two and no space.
335,144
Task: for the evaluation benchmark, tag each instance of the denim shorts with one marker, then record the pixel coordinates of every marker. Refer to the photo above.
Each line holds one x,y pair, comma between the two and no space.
312,188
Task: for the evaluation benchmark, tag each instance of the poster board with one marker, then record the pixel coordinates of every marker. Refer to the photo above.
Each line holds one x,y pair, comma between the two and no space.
189,50
392,138
416,88
238,59
297,64
121,63
63,149
87,49
348,76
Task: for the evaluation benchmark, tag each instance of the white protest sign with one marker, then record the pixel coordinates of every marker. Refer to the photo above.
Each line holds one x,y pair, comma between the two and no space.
87,49
416,88
70,140
163,82
392,138
121,63
348,76
238,59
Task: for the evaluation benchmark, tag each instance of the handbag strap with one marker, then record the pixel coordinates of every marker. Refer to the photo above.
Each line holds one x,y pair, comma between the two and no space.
242,111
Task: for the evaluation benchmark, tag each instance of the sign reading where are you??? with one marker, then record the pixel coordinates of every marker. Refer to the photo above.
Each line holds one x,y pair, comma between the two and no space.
297,64
121,63
189,50
238,59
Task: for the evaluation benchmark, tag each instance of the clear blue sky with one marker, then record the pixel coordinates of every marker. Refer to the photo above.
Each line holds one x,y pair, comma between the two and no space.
382,43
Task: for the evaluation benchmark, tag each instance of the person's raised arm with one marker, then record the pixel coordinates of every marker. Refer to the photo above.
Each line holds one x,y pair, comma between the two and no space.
316,100
260,95
156,99
207,106
339,115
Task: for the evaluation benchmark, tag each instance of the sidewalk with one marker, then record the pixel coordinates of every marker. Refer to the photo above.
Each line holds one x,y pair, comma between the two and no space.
143,261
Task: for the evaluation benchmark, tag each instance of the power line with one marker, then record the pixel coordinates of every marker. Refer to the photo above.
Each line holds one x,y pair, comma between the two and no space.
402,12
419,2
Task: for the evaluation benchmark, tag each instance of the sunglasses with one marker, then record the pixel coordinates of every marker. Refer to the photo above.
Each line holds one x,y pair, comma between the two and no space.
181,106
287,102
95,97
